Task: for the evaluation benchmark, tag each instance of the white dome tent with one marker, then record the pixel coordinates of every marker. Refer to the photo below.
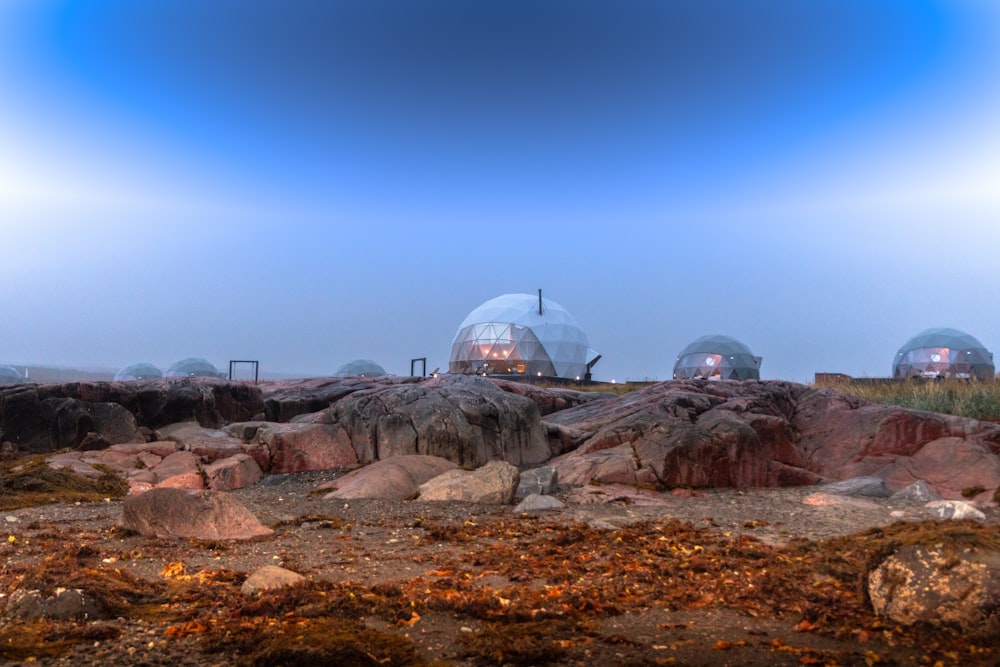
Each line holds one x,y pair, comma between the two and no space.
360,368
520,334
943,353
139,371
193,367
717,358
10,376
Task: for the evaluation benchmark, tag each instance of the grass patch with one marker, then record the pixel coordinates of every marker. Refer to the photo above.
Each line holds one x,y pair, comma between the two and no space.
976,400
28,482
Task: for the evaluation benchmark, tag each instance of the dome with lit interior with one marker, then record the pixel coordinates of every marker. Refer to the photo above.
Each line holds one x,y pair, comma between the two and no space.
192,367
717,358
521,334
943,353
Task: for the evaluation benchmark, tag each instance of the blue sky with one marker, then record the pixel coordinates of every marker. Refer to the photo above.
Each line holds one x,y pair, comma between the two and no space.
308,182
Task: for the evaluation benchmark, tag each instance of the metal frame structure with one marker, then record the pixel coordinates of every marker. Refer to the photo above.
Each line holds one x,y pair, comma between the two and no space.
253,363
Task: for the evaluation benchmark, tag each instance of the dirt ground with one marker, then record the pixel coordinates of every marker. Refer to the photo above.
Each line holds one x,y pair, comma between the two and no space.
716,577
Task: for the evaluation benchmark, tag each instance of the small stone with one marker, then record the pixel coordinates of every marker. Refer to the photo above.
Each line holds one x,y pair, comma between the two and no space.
918,492
269,577
538,503
954,509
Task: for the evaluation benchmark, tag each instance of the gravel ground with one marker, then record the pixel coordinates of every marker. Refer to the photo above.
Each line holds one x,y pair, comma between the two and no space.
401,548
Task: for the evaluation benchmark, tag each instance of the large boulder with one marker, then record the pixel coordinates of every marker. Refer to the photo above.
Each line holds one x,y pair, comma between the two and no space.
209,444
203,515
299,447
950,465
466,419
494,483
743,434
842,436
44,418
395,478
685,433
942,584
283,401
235,472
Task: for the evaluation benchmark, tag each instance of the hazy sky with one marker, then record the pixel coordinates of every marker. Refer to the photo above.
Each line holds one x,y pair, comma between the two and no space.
310,182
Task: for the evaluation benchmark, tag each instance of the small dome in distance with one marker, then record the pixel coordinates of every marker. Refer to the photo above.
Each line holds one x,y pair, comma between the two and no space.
10,376
139,371
192,367
717,358
943,353
360,367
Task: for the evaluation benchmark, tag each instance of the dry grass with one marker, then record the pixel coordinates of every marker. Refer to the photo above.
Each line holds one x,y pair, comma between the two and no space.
977,400
29,481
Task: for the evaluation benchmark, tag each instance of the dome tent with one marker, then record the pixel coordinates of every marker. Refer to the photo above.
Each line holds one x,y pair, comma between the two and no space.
360,367
521,334
943,353
139,371
192,367
717,358
9,375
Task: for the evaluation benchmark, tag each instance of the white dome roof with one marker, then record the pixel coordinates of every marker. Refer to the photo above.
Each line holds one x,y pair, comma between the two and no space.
507,334
943,352
365,367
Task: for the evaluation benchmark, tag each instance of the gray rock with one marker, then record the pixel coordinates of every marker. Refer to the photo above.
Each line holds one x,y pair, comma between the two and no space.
538,503
538,481
918,492
270,577
115,424
246,431
954,509
208,443
494,483
869,487
177,464
469,420
234,472
300,447
203,515
63,604
44,418
942,585
395,478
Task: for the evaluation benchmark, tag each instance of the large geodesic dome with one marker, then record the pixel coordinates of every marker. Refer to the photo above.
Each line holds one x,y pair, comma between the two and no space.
192,367
717,358
139,371
521,334
943,353
9,375
360,367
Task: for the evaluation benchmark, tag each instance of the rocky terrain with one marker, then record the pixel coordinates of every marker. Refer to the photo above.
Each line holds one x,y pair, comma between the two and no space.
466,520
